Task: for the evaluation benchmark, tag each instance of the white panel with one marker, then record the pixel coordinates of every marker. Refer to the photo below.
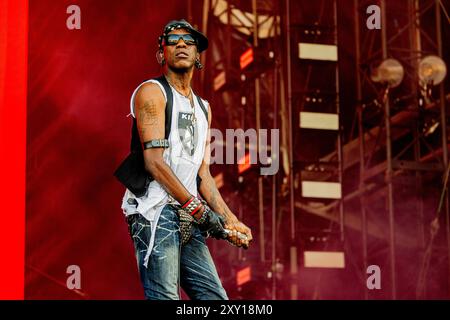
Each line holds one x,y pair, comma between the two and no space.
317,120
324,259
319,189
317,51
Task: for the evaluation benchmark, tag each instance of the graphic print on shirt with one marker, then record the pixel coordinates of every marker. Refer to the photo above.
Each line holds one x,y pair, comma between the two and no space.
188,132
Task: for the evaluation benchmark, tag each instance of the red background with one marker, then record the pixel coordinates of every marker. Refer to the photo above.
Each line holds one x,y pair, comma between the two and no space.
13,87
64,97
80,82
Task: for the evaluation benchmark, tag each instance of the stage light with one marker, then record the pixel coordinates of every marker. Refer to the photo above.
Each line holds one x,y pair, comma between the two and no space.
243,276
432,70
244,163
220,80
324,259
246,58
317,120
320,189
313,51
389,72
430,126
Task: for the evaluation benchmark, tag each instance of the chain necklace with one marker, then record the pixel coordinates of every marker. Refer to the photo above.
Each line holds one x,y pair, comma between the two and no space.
191,101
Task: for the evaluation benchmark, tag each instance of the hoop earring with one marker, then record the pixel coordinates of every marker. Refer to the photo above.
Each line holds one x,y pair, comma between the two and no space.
198,64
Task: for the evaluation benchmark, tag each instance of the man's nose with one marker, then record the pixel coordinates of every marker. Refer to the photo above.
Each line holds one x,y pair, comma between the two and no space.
181,43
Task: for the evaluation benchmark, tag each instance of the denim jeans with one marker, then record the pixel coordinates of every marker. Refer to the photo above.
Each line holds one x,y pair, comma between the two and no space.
171,264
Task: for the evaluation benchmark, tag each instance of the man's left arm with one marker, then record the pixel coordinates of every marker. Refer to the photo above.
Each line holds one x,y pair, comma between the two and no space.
212,196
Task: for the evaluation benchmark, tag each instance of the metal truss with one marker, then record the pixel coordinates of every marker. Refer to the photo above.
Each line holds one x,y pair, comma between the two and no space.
398,145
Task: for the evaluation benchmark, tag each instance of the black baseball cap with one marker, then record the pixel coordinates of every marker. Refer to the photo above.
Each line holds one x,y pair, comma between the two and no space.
183,24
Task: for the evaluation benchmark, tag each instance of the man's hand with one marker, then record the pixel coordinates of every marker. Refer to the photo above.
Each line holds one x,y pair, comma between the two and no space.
235,226
213,224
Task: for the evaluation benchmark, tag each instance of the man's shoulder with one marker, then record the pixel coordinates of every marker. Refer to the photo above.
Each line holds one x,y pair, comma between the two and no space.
149,90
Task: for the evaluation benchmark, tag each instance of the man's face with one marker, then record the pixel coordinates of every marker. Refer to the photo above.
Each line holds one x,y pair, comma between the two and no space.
180,56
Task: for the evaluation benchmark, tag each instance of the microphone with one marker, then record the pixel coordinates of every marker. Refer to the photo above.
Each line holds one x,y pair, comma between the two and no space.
239,234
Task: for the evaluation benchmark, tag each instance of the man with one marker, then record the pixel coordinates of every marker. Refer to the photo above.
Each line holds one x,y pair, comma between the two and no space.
177,159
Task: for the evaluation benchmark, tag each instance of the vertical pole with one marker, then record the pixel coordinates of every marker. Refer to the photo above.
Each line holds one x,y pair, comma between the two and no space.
227,64
274,191
339,137
240,216
444,130
228,41
361,146
389,173
205,31
274,177
293,250
258,127
416,45
416,54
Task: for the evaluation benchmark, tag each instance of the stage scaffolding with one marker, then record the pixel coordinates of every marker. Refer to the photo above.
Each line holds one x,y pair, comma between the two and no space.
386,149
272,83
401,124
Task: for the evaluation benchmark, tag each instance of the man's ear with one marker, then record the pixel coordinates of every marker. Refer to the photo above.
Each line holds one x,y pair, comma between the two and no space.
160,57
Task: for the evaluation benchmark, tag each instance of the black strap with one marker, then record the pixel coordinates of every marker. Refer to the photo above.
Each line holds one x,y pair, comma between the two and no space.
205,111
169,104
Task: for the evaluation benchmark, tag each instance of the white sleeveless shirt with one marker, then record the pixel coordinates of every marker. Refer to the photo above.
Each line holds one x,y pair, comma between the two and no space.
187,142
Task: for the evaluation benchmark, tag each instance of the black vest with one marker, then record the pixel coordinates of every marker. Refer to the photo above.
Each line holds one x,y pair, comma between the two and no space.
131,172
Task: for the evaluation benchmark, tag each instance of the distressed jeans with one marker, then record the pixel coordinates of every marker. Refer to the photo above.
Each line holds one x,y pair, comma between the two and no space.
170,264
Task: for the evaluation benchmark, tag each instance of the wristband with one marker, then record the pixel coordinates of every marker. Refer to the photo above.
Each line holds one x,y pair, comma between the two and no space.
187,202
192,205
157,143
205,213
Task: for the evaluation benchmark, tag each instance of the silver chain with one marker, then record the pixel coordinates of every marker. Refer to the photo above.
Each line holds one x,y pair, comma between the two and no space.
189,97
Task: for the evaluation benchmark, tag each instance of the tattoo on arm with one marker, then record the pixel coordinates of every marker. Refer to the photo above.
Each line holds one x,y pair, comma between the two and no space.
214,198
214,195
147,115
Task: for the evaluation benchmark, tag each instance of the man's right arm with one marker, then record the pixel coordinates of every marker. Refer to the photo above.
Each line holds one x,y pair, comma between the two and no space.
149,106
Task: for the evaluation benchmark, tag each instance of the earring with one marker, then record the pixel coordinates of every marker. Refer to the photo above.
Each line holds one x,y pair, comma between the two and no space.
198,64
160,58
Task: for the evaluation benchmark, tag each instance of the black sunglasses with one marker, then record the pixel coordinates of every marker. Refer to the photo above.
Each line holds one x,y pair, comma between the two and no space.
172,39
